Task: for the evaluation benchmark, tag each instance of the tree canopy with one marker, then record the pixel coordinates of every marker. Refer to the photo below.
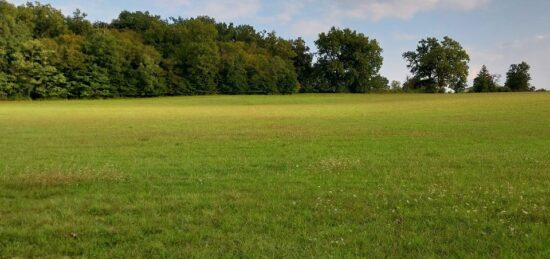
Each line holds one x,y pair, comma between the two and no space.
438,64
44,54
485,81
348,62
518,78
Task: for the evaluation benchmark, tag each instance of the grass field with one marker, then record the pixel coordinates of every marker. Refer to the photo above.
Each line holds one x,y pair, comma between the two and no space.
277,176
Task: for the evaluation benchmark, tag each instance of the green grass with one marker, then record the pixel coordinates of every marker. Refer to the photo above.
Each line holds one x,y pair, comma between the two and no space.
277,176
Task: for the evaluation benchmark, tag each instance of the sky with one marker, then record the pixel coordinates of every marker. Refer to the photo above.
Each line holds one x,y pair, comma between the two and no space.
495,33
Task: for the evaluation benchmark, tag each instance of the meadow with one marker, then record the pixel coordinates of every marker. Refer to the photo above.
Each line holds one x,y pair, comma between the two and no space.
412,175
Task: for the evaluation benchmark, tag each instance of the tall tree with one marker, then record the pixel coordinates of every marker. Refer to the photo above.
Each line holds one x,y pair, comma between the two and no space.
152,28
278,46
46,55
348,61
303,64
34,74
518,78
233,77
380,83
12,30
44,20
78,24
437,64
284,76
198,54
485,81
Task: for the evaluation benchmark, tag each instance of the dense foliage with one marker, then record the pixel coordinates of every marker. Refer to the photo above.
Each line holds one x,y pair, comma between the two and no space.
485,81
437,64
348,62
518,78
44,54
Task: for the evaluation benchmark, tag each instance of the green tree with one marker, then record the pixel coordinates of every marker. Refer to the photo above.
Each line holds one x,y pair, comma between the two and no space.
32,72
78,24
395,85
259,70
348,61
518,78
8,88
133,68
44,20
379,84
278,47
284,75
104,58
141,69
239,33
437,64
85,79
46,55
198,54
485,81
12,31
233,75
303,64
152,28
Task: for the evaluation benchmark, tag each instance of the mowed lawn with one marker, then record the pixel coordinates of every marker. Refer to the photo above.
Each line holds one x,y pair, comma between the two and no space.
463,175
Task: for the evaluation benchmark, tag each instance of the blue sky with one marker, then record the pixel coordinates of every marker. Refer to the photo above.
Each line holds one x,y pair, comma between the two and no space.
495,32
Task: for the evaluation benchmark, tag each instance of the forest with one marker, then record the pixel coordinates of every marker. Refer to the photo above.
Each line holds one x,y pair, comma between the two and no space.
47,55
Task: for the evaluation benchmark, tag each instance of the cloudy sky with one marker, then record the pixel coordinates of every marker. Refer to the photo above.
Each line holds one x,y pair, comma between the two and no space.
495,32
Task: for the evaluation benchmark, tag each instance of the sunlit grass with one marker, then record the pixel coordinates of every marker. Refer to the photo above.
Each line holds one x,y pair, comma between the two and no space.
280,176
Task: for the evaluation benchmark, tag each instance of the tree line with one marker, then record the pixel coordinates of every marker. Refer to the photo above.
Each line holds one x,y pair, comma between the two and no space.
439,64
517,80
44,54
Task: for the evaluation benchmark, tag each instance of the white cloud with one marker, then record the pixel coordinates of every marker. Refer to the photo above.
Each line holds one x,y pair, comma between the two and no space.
172,2
311,27
228,10
289,10
224,10
314,16
329,13
376,10
282,11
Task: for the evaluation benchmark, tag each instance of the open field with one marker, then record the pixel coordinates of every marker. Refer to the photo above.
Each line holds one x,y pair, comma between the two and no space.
280,176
